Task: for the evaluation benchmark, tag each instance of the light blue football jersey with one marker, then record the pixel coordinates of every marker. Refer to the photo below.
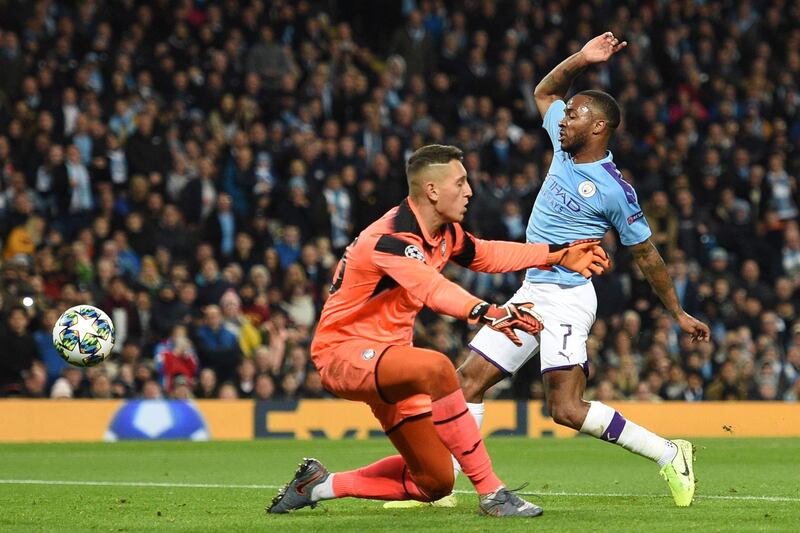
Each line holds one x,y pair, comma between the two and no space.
581,201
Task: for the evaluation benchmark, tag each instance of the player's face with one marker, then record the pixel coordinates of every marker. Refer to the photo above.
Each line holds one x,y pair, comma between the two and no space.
575,127
454,192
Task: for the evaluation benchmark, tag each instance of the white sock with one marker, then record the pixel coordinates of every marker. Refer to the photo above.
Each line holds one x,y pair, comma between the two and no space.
476,410
323,491
605,423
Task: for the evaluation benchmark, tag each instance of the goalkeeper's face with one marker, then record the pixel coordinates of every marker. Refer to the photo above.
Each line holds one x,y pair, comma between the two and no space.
453,191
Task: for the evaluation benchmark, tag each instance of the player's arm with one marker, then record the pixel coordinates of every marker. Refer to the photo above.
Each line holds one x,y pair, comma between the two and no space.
652,266
403,261
586,257
555,85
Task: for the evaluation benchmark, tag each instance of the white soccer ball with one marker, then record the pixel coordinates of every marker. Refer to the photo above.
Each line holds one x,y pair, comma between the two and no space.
84,335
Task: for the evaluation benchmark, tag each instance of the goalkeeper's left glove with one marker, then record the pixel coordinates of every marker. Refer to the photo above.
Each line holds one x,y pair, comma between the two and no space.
506,318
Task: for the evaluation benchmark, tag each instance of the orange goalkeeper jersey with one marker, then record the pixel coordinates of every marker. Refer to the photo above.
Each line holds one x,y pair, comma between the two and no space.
394,268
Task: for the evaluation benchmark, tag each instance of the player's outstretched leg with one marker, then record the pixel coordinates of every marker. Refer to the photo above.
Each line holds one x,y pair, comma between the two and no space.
298,492
564,398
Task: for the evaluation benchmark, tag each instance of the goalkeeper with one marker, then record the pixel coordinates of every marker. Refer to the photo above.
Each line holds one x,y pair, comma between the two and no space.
363,342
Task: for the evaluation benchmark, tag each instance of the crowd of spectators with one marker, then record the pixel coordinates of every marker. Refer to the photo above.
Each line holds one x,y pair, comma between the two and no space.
196,167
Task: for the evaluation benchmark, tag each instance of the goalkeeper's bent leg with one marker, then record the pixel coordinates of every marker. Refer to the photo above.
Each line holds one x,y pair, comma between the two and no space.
404,371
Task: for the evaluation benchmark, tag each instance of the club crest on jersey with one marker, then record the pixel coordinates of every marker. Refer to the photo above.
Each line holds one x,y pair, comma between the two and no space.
587,189
443,247
414,253
368,354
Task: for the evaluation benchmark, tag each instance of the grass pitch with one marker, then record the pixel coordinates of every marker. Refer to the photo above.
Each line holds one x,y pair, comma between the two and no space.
583,485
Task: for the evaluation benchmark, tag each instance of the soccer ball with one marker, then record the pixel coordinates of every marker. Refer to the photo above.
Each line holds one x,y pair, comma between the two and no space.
84,335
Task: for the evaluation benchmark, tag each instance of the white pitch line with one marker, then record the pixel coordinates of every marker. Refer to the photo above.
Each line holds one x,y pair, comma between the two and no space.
157,484
133,484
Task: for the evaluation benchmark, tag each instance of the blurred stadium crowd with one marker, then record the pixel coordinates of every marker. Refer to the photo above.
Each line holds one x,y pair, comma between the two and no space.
195,167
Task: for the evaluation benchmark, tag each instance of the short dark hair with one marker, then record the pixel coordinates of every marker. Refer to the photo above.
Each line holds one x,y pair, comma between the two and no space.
432,154
606,105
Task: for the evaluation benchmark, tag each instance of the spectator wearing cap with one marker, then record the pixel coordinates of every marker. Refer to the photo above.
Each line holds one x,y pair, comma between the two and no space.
181,389
718,265
61,389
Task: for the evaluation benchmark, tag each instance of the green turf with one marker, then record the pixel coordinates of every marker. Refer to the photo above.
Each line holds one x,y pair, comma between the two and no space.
582,484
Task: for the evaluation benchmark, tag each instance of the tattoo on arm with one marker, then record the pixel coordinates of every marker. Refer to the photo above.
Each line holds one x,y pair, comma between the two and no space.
652,266
558,81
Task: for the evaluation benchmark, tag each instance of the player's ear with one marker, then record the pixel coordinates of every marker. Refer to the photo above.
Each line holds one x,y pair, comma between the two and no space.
432,191
600,126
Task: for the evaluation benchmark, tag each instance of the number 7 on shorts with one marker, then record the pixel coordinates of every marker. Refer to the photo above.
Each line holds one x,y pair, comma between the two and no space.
567,334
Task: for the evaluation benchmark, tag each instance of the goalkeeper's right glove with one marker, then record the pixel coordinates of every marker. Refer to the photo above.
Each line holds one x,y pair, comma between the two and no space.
506,318
584,256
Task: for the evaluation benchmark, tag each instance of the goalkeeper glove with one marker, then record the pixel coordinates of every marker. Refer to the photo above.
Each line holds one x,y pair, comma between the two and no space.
506,318
584,256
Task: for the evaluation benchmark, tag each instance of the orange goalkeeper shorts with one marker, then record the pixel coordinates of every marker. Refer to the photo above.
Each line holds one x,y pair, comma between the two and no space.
349,370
